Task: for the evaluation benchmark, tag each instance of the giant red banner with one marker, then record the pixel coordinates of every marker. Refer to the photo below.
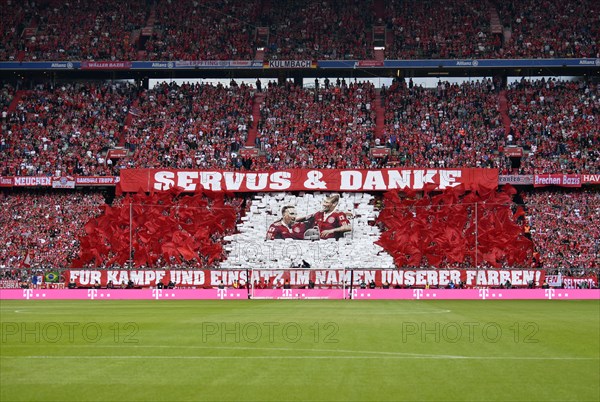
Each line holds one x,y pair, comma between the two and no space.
299,278
132,180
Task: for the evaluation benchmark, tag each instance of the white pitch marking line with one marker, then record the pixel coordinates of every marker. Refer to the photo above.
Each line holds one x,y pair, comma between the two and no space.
440,357
368,354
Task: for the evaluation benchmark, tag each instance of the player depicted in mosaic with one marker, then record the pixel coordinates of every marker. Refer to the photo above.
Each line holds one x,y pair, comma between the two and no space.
287,227
332,224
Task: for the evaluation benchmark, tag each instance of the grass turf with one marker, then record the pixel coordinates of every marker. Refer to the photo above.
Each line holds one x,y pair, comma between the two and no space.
299,350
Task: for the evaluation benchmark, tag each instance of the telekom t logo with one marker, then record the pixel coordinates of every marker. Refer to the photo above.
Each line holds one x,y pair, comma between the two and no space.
353,293
286,293
157,293
484,293
417,293
27,293
221,293
549,293
92,293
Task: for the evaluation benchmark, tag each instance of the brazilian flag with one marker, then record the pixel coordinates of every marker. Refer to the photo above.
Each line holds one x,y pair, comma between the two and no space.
52,277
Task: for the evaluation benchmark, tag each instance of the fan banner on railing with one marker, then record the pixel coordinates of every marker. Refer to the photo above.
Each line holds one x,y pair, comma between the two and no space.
591,178
133,180
571,282
561,180
269,279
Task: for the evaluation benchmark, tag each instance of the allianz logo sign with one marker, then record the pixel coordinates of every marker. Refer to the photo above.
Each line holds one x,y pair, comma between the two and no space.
169,64
61,65
467,63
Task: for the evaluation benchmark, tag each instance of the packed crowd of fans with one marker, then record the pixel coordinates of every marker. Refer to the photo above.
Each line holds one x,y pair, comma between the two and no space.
448,126
41,229
190,126
331,126
74,30
7,93
551,28
458,29
316,30
564,228
558,122
65,130
186,30
333,29
11,28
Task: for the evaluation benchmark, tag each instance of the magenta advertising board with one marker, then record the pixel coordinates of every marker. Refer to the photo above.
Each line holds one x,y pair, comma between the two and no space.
300,294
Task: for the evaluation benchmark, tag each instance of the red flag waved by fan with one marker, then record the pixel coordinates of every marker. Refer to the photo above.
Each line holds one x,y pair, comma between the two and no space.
159,228
476,228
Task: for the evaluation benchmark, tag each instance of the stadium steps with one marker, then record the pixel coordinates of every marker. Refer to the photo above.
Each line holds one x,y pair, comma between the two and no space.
146,32
135,37
253,132
379,114
380,31
495,25
503,109
15,101
389,37
507,35
265,7
379,9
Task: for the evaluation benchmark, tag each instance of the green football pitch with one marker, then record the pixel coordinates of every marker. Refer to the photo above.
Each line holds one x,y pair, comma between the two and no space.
299,350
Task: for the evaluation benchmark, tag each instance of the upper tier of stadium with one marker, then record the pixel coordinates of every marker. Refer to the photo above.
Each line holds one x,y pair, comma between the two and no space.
144,30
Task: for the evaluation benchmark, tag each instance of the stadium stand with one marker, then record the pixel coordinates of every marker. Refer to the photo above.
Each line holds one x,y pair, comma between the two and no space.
314,30
449,126
329,127
553,28
192,126
461,29
557,122
310,30
76,30
66,126
563,230
185,30
41,229
65,129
